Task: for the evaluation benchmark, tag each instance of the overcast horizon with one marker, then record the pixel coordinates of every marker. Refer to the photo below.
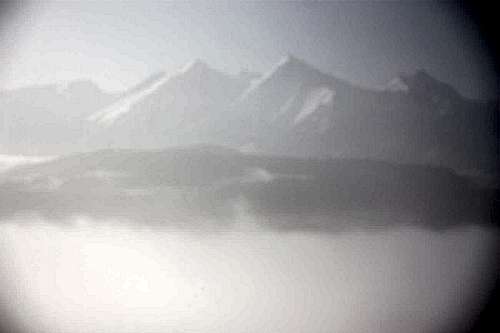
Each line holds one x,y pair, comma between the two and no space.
119,44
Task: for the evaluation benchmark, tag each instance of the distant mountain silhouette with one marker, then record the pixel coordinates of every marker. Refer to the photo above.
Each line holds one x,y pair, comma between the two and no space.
48,119
297,110
294,110
204,185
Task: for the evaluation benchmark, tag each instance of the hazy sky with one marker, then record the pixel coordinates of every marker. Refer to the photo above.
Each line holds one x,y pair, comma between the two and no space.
119,43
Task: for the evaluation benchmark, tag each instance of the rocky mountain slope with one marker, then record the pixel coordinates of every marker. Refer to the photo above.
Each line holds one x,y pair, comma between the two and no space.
293,110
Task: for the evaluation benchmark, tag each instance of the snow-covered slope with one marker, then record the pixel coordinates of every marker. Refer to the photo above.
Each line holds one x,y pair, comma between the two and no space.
291,94
187,107
119,108
293,109
297,110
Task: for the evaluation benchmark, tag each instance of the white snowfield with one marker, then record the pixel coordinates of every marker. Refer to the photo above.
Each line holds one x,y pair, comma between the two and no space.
188,76
397,84
322,96
111,113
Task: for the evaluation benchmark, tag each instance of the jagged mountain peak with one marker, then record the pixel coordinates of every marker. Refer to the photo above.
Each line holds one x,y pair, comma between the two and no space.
291,59
419,76
396,84
292,63
290,69
197,67
421,83
293,109
194,88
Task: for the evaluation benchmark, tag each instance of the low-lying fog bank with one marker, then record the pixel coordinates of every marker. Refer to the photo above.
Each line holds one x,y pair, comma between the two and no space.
8,162
97,276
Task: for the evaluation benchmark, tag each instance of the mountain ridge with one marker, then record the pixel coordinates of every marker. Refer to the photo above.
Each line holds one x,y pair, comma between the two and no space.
292,109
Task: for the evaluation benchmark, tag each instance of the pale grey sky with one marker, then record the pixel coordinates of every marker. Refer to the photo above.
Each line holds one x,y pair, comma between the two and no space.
119,43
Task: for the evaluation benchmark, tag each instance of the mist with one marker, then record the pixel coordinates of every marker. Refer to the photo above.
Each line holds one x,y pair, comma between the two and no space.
209,167
101,276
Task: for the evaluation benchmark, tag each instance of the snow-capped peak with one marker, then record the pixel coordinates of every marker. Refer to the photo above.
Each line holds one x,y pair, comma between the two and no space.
287,59
287,64
291,60
397,84
423,84
196,70
196,65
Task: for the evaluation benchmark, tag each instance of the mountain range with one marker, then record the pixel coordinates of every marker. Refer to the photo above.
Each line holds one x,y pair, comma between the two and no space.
293,110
